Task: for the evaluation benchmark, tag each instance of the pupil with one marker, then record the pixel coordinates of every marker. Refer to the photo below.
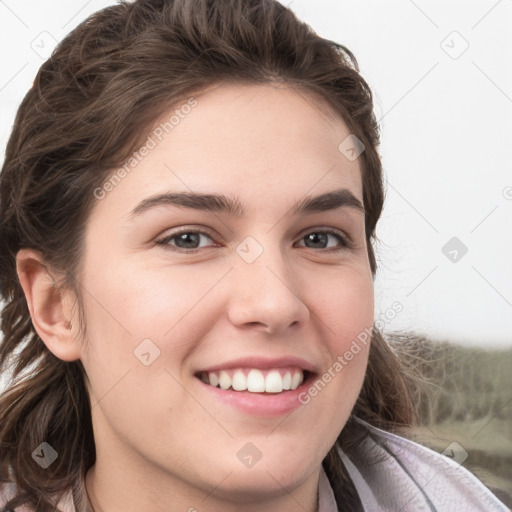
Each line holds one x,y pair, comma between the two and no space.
314,237
189,238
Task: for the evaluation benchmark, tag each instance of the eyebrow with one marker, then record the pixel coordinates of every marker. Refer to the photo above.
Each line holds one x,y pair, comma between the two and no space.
219,203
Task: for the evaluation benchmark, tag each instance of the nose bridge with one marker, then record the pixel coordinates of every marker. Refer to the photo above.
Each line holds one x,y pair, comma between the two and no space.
260,259
264,290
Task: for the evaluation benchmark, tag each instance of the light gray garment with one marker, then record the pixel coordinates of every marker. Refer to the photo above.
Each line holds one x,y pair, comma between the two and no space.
394,474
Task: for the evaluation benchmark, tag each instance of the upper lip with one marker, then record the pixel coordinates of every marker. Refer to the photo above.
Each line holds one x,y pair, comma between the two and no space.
262,363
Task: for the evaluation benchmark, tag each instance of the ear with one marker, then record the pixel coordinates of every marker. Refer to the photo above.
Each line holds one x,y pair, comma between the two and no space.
50,309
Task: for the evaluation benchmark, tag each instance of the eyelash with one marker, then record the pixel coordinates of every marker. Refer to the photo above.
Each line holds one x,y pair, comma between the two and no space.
344,241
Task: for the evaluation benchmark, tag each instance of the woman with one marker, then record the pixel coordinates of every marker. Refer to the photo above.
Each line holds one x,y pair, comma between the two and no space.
188,204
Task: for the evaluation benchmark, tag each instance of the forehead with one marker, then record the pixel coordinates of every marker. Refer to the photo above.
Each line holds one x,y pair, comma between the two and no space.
257,141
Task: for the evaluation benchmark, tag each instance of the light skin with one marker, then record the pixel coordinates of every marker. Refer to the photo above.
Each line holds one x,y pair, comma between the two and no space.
162,442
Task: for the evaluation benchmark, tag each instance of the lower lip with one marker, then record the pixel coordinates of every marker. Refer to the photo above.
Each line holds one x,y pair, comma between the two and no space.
261,404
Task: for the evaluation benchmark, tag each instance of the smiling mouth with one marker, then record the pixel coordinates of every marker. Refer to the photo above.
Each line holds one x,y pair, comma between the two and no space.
254,380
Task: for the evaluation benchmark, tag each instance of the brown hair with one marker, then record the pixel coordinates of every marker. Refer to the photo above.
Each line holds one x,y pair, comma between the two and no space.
91,105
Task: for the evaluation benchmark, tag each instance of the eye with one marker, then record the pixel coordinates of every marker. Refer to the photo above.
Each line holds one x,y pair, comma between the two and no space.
185,240
321,237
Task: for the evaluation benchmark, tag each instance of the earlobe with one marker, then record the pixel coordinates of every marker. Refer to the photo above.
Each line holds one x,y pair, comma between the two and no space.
48,307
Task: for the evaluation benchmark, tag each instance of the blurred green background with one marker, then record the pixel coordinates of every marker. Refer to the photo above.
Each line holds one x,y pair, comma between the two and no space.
463,395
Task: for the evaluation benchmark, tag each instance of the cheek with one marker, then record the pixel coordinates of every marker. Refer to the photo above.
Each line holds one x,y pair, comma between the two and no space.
346,307
138,301
128,304
347,311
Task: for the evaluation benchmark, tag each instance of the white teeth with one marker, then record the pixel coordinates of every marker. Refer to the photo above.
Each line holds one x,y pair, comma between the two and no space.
287,380
274,382
224,380
255,381
214,379
239,381
296,380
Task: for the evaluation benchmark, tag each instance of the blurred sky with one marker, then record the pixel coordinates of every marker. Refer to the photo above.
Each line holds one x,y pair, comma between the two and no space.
441,74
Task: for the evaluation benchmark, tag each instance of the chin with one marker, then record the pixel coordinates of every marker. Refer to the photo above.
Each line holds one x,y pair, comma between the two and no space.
266,482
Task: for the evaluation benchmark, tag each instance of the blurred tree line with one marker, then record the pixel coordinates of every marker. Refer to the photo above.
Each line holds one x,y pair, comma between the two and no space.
462,394
452,382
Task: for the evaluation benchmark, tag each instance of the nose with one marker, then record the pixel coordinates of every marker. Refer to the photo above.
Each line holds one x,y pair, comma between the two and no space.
265,294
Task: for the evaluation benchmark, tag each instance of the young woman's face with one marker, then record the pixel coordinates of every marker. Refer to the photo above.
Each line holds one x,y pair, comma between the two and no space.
262,293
